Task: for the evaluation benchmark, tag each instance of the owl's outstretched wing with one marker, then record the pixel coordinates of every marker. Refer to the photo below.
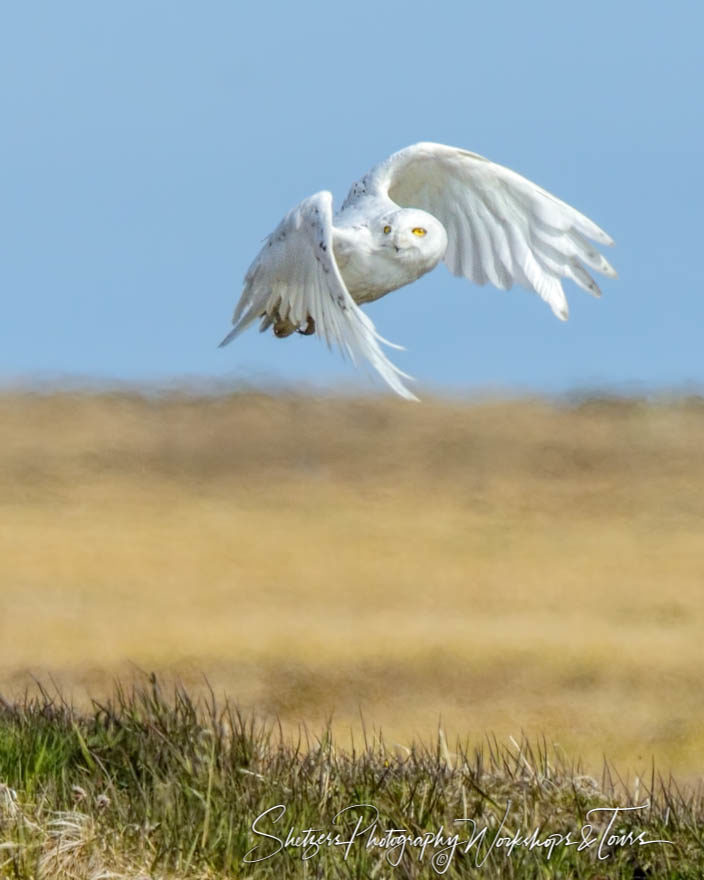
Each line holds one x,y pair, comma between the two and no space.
295,276
500,227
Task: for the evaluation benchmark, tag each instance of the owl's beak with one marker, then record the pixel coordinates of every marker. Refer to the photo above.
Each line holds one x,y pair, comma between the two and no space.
398,244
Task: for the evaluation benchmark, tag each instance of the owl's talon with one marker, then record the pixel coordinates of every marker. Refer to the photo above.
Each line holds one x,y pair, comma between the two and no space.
310,327
282,326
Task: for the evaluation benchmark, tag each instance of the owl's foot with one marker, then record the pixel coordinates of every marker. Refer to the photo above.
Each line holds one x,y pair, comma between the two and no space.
283,327
310,327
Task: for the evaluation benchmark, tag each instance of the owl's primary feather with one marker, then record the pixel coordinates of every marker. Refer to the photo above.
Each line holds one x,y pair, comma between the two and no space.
426,203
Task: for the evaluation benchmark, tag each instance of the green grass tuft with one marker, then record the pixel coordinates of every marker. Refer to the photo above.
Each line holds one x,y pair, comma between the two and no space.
154,785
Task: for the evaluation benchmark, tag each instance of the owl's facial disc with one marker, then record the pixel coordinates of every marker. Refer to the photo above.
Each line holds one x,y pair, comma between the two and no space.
412,234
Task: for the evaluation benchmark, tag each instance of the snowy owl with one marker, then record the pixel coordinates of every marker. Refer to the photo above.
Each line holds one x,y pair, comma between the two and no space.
425,203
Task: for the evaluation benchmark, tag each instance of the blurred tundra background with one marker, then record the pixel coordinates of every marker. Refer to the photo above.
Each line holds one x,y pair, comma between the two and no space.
491,566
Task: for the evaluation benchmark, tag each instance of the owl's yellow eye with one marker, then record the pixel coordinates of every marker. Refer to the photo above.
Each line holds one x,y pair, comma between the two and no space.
387,230
418,230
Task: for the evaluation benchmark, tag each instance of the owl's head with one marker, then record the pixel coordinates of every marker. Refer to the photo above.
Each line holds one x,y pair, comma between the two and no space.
412,233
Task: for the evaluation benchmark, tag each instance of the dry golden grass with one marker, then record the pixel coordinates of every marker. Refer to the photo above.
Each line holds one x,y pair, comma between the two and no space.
507,566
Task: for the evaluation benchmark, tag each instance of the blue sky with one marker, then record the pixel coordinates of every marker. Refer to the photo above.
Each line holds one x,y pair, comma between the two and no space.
148,147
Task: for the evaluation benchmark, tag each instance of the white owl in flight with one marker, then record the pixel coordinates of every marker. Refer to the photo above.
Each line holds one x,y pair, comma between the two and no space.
426,203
